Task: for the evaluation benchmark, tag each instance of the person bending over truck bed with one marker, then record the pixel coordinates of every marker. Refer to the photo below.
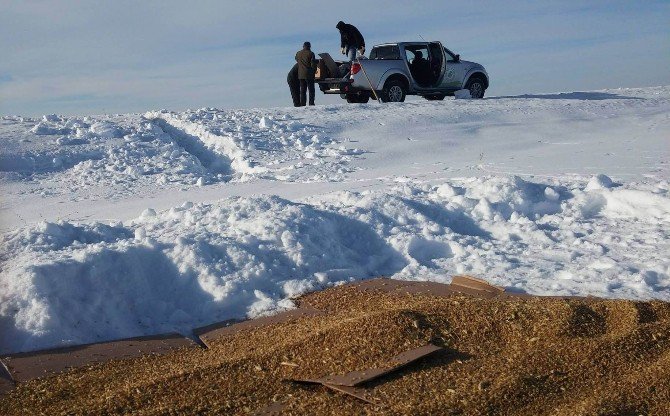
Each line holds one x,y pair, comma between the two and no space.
351,40
294,85
306,69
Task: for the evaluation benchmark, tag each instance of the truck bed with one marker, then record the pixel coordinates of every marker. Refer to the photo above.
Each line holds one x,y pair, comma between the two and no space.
334,85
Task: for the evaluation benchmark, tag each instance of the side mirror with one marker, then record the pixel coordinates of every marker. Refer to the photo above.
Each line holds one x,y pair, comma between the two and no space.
458,58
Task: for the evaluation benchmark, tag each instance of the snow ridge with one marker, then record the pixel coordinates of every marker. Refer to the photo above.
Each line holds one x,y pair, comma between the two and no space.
117,156
218,153
196,264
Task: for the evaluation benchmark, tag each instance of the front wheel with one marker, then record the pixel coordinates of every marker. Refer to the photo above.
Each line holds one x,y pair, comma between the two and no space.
393,91
476,87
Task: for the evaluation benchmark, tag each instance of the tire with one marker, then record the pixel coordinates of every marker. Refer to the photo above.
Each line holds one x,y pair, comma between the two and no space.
434,97
358,99
477,87
394,91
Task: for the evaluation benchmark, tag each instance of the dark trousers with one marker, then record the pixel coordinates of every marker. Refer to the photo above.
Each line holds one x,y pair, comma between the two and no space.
306,84
295,92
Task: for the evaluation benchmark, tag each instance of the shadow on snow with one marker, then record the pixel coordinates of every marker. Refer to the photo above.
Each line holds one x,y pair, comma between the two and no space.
577,95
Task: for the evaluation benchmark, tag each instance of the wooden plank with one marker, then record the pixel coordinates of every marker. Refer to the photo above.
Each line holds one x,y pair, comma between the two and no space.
355,378
475,287
429,288
381,284
30,365
212,333
6,380
357,392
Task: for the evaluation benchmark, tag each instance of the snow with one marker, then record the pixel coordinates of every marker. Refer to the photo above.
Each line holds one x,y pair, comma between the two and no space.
462,94
599,181
125,225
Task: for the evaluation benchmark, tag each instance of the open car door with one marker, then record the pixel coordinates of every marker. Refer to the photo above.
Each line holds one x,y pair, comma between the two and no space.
426,63
437,62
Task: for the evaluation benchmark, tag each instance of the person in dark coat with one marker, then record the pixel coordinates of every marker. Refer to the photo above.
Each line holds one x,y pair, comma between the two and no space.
294,85
306,70
351,40
420,68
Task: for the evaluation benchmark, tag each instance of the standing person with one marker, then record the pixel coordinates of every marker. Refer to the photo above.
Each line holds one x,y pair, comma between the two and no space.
306,69
351,40
294,85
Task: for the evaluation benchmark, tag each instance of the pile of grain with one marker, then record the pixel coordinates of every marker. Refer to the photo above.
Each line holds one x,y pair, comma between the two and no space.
502,356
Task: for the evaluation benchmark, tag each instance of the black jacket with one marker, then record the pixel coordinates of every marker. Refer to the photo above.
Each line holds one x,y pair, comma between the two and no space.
350,36
292,77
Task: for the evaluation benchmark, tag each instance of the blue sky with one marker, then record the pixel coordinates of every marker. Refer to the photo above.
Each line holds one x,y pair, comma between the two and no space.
93,57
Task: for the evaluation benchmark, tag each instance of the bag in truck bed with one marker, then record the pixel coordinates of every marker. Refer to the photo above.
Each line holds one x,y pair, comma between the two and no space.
330,69
321,70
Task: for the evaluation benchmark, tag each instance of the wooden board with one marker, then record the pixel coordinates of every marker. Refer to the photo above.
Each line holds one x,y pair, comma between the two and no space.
27,366
355,378
211,333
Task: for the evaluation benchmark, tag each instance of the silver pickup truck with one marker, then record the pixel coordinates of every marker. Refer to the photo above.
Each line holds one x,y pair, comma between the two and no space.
395,70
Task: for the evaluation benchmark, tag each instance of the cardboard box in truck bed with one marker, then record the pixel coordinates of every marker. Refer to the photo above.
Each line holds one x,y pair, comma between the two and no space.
321,70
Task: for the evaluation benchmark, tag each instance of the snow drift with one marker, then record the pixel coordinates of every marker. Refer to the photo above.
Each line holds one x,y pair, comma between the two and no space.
195,264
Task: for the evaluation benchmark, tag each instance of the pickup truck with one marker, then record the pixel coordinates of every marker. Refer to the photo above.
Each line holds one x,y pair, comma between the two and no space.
395,70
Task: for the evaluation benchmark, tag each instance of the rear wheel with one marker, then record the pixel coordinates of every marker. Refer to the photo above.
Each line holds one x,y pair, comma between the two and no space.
394,91
434,97
477,87
360,98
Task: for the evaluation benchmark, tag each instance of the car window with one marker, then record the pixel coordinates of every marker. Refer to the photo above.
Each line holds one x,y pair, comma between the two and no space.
450,55
411,52
410,55
385,52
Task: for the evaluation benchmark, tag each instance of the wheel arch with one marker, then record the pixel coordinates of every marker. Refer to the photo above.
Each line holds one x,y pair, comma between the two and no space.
479,74
393,74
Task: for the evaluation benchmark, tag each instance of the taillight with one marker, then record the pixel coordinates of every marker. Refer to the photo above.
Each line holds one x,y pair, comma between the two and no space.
355,68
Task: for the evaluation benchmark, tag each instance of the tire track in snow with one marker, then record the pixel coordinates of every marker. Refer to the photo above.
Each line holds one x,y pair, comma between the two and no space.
194,145
220,154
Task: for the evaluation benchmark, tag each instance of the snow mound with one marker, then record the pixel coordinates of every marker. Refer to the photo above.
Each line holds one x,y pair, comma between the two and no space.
462,94
65,283
637,204
188,266
599,181
115,155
